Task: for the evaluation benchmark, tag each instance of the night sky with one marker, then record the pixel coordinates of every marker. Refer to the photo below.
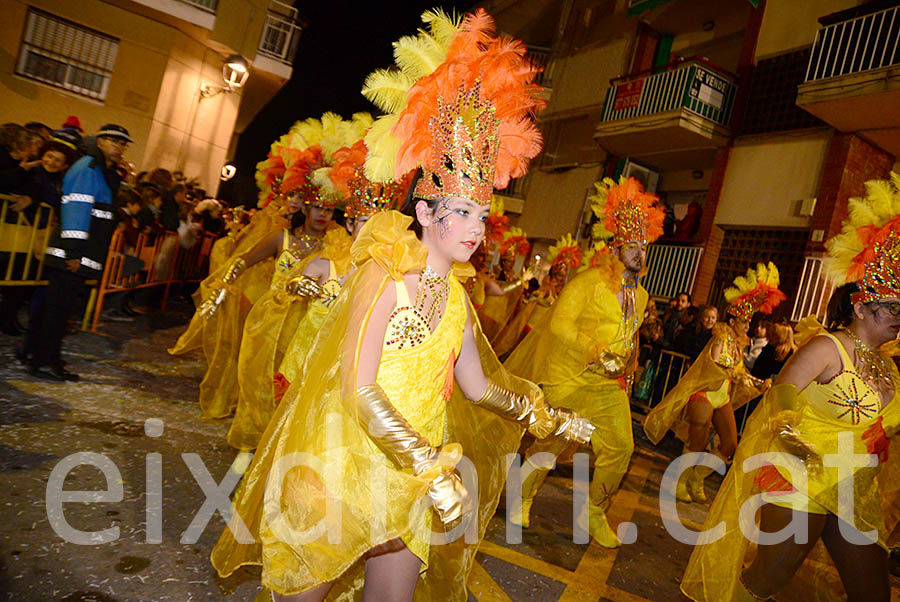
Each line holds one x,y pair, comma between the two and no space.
342,42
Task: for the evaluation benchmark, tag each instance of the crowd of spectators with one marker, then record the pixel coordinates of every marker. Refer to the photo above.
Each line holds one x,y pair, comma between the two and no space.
685,329
93,191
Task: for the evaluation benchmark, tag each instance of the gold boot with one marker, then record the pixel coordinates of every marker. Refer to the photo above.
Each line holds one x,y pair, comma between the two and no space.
694,482
520,514
594,518
681,491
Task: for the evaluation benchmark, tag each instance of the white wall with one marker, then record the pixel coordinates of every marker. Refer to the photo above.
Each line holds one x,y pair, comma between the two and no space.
768,176
792,24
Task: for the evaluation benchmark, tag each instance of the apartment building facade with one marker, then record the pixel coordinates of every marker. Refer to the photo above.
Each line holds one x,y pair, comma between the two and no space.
156,67
754,120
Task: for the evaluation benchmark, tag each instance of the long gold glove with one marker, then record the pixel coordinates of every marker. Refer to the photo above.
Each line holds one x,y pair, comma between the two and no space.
602,360
784,407
212,302
235,268
401,443
540,419
215,298
303,286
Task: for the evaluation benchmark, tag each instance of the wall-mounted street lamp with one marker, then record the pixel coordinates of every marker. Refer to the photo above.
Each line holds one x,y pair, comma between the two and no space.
235,72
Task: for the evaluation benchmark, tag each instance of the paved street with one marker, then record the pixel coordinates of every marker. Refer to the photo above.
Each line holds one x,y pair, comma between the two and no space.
127,378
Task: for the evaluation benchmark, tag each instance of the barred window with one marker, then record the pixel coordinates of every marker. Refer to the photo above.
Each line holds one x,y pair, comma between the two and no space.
66,55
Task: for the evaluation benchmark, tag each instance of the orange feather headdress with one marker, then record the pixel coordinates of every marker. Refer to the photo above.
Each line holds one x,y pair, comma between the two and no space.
867,250
364,197
627,213
460,106
756,292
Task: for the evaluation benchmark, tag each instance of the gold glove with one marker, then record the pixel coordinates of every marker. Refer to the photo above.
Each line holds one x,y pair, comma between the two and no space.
303,286
606,362
401,443
234,269
784,407
540,419
212,303
449,496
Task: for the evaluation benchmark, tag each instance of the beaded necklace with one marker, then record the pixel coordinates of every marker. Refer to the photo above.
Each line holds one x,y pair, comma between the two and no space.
629,316
869,364
438,286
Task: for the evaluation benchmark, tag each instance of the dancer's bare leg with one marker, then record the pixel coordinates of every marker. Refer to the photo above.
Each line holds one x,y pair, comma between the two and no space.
726,428
391,577
864,570
699,415
775,564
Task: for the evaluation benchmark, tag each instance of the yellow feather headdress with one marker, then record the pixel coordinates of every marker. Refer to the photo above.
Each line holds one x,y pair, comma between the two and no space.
459,104
299,160
756,292
566,253
627,213
867,250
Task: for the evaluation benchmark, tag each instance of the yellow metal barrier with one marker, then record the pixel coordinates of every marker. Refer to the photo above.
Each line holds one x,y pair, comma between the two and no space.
23,243
164,261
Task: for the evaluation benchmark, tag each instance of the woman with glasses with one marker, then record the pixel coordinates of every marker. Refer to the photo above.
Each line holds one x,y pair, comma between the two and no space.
831,417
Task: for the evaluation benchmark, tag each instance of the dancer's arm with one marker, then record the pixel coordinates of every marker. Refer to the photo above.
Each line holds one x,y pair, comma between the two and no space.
533,413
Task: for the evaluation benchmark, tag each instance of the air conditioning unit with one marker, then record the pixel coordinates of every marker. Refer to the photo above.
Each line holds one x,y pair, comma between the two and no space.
646,176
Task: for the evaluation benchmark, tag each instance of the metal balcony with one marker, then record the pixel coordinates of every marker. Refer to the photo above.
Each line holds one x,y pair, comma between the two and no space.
671,269
281,33
209,6
673,118
853,77
861,44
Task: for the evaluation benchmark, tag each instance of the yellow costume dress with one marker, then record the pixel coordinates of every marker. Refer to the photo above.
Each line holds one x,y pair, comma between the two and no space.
721,380
497,309
356,495
845,404
269,327
585,323
301,341
527,314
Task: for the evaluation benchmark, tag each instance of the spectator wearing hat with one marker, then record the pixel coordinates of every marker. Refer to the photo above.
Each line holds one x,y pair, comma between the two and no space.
78,251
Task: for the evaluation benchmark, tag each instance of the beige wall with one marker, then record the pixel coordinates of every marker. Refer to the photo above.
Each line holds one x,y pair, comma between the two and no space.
767,177
555,200
791,24
153,91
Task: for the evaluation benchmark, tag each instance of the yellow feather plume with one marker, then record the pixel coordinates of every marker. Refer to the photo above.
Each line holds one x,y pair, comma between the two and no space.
382,149
416,56
387,88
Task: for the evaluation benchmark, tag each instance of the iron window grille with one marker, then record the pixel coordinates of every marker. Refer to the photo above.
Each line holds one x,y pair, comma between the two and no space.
66,55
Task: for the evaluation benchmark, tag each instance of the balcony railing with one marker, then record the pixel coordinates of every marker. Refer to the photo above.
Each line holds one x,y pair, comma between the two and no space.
860,44
209,6
541,56
813,292
671,269
695,85
281,33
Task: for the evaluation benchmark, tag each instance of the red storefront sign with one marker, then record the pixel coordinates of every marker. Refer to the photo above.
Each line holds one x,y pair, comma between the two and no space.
628,95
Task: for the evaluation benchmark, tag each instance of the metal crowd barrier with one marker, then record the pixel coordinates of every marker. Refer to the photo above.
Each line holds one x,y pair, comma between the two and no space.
23,243
164,261
670,366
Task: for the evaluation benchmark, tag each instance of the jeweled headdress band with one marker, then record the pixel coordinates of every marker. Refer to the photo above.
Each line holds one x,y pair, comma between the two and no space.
626,212
756,292
464,149
881,279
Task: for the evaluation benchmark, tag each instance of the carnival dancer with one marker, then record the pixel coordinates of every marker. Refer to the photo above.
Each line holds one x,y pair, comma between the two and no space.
586,358
380,410
718,382
324,277
832,416
565,259
483,284
271,323
226,296
512,279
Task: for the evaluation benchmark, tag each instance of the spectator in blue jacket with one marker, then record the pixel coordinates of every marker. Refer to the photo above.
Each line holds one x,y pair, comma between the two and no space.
78,250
